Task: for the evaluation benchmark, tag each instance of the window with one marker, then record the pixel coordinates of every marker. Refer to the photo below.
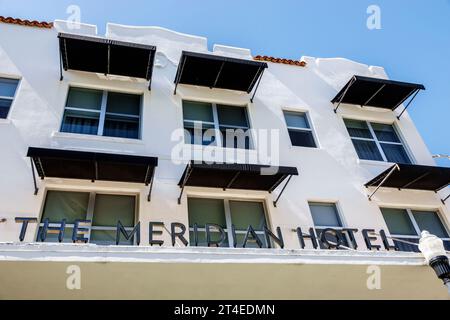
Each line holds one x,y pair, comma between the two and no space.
326,215
376,141
102,113
406,224
215,124
226,213
103,210
299,129
7,92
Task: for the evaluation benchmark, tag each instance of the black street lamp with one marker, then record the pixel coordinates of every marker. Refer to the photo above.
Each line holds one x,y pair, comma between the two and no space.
433,249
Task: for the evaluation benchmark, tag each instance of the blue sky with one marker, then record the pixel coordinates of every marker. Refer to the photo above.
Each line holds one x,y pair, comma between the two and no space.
413,43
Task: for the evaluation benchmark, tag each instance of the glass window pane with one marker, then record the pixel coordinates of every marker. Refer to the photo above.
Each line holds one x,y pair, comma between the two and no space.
235,138
61,205
122,127
199,111
123,103
8,87
398,222
246,213
84,98
325,215
83,122
430,222
385,132
203,211
395,153
358,129
296,119
204,136
108,237
232,116
367,150
5,104
302,138
109,209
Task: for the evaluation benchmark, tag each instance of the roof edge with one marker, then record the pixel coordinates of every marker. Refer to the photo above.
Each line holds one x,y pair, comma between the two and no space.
27,23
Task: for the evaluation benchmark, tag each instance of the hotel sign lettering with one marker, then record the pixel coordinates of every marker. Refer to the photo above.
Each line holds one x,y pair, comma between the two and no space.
319,238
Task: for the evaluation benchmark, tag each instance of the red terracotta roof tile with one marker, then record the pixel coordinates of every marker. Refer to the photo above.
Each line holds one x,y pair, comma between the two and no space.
27,23
280,60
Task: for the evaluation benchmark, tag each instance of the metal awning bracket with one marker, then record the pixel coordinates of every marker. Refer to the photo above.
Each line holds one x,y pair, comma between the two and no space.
178,78
409,102
36,189
149,196
445,199
394,168
186,177
281,193
257,85
344,93
232,181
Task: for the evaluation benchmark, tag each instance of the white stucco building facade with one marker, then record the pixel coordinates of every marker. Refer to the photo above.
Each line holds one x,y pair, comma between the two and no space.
330,185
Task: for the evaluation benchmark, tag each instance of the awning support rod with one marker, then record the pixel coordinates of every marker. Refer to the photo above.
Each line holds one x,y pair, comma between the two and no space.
446,198
61,77
186,177
232,181
396,167
149,71
149,197
415,180
36,189
177,80
218,75
257,85
282,190
374,95
406,107
344,93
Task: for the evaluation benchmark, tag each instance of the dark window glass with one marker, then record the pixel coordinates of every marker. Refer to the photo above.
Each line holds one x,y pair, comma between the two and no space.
8,89
302,138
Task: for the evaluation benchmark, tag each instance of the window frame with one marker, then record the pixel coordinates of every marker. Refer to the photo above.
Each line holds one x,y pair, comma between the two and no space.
89,212
227,211
413,221
310,129
216,124
340,217
102,111
379,142
13,98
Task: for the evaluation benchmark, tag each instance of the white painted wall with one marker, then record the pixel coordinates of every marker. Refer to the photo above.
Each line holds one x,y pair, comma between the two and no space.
331,172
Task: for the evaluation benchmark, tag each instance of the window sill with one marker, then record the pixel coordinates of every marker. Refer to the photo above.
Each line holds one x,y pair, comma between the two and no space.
5,121
220,154
66,135
375,163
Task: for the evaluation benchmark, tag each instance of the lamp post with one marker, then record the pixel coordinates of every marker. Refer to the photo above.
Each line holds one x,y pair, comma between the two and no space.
433,249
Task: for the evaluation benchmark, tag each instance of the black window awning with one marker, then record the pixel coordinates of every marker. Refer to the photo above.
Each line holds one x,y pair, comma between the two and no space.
378,93
68,164
411,176
214,71
106,56
234,176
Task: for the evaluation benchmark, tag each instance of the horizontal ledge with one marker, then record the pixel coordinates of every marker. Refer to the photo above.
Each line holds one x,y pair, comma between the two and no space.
38,252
